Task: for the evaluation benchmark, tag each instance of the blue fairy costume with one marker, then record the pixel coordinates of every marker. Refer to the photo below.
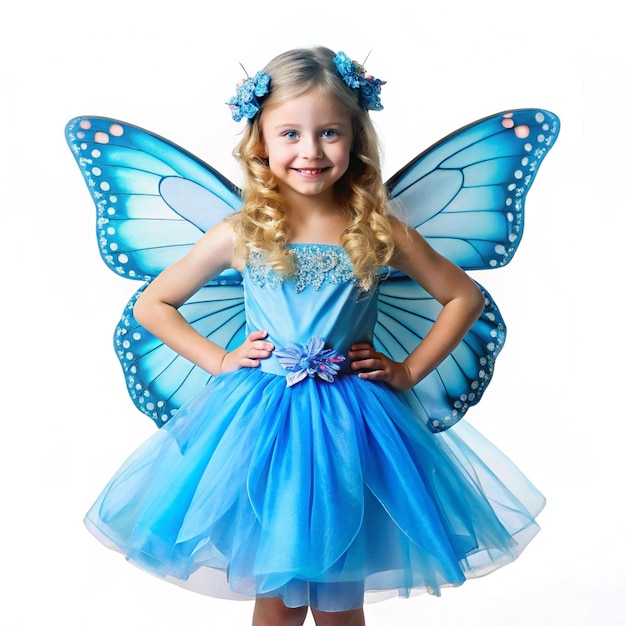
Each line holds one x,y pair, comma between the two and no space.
298,479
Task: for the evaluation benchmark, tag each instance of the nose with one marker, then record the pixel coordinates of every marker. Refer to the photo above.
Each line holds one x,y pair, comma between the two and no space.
311,147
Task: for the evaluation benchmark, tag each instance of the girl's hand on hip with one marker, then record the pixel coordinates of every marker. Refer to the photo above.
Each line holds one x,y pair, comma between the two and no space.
249,353
372,365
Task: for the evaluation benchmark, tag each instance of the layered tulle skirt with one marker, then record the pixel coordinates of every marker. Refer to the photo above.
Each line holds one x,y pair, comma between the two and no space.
317,493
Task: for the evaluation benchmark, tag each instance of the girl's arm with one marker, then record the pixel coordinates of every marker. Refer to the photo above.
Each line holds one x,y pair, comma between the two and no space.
462,303
157,307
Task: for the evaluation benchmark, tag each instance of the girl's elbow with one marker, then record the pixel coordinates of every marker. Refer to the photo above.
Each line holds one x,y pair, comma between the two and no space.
141,310
477,301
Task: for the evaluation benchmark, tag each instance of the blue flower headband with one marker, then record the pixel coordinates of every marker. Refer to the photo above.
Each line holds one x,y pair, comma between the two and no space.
245,102
354,76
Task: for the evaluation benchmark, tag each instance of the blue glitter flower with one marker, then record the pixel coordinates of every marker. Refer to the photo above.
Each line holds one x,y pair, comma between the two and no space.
355,77
310,360
245,103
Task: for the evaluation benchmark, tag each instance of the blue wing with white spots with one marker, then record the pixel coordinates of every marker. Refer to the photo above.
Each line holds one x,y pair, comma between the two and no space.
466,196
158,379
153,201
406,312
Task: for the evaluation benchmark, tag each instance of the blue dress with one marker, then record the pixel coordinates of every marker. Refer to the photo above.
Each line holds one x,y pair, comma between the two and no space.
319,491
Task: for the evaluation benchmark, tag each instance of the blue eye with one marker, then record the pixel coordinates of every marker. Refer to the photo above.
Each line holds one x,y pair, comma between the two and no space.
290,134
329,134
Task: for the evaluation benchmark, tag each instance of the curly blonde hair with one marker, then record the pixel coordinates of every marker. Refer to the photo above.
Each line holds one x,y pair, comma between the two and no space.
262,224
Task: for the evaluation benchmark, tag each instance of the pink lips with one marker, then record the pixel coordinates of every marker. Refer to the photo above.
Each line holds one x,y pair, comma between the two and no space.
310,171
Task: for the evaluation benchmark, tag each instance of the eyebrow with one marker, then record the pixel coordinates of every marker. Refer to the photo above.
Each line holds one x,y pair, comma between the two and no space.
284,126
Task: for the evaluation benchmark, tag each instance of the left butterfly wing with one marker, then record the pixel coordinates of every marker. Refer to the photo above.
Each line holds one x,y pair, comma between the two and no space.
466,196
158,379
153,198
153,201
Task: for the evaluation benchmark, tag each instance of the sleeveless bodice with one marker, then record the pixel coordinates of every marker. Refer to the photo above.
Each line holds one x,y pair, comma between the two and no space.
323,300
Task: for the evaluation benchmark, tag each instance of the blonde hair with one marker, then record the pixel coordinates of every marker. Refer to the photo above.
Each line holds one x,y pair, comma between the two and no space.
262,224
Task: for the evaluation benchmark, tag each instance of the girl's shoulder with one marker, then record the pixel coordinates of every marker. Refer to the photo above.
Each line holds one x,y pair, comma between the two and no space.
218,245
404,236
221,235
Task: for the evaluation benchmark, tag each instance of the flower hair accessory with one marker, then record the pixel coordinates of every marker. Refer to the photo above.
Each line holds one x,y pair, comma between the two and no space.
245,103
354,76
311,360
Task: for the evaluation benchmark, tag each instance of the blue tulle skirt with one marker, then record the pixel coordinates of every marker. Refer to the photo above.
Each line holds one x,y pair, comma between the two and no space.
317,493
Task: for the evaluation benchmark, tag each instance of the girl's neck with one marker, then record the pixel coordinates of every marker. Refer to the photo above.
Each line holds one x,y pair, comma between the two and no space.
317,223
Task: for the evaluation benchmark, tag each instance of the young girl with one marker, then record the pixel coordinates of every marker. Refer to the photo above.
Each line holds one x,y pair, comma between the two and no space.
302,475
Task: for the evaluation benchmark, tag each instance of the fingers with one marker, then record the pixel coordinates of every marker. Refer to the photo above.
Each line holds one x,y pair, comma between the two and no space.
249,353
365,358
255,348
372,365
362,351
372,369
257,334
361,346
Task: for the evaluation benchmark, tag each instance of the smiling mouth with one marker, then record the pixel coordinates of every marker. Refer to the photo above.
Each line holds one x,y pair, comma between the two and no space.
310,172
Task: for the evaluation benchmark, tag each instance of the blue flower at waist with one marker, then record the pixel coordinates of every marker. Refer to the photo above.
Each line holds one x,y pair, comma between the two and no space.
312,359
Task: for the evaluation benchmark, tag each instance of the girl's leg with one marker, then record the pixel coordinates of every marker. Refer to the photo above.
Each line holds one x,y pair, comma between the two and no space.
341,618
272,612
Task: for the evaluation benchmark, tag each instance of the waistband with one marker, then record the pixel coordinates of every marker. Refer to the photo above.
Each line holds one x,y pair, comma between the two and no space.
297,361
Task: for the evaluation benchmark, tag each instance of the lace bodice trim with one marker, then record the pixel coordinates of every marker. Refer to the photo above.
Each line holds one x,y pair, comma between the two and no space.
316,264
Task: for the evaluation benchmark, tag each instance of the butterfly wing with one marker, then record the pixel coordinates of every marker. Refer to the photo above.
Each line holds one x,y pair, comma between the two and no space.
153,201
158,379
153,198
406,312
466,196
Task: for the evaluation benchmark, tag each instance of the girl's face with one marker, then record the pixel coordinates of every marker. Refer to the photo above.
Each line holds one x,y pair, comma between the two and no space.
307,143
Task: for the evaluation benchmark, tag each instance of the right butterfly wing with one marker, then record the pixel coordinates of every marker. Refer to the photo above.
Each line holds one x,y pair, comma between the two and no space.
466,193
466,196
406,312
158,379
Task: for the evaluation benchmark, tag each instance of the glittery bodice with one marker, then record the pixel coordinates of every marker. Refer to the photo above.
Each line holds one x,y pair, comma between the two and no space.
321,300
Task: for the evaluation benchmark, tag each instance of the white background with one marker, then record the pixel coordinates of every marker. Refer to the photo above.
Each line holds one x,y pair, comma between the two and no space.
555,405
